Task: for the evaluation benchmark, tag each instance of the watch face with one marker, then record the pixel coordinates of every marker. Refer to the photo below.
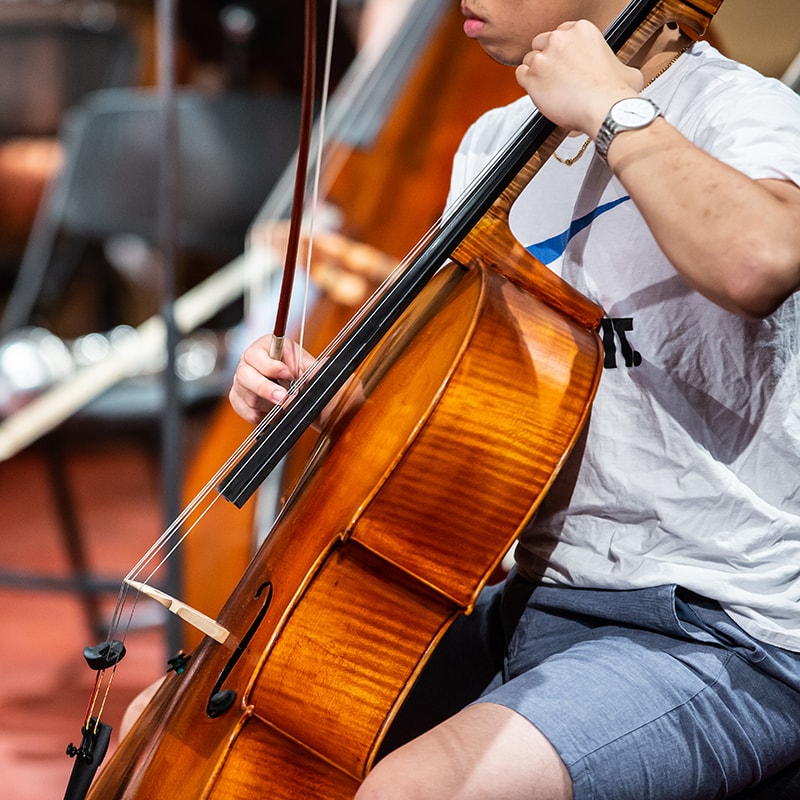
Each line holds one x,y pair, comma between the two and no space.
634,112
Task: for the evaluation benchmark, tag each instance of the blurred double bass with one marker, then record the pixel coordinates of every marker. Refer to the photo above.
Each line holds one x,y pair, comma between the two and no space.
388,175
432,460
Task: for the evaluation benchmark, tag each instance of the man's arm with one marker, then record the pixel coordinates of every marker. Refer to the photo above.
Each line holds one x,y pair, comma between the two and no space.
734,239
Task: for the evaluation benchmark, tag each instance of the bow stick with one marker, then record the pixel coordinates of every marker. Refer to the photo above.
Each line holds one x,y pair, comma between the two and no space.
298,200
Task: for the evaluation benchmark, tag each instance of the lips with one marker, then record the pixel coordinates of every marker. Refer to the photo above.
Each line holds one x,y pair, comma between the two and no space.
473,24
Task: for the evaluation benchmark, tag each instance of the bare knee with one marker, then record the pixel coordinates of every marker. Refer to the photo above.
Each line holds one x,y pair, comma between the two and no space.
485,751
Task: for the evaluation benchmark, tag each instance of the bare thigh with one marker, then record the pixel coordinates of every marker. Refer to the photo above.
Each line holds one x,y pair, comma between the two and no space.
485,751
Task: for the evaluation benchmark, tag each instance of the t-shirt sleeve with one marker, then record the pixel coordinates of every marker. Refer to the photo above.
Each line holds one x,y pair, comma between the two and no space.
752,124
482,141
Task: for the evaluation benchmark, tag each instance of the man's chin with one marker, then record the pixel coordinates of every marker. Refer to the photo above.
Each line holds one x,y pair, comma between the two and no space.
501,56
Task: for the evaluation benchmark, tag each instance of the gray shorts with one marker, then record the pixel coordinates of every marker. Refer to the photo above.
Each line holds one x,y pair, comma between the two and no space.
651,693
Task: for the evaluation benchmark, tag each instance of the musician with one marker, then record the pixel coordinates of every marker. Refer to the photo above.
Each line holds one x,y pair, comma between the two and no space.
647,644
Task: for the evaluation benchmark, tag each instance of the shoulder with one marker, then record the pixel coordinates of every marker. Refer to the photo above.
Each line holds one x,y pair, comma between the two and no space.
733,112
483,140
704,83
710,84
494,128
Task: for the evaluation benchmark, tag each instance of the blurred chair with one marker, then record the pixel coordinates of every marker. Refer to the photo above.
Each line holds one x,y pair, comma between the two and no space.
232,148
48,63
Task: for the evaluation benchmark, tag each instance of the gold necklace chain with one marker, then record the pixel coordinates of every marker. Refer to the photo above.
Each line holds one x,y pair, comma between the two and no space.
568,162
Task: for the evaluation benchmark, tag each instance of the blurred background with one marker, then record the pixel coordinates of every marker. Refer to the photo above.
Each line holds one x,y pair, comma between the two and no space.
88,255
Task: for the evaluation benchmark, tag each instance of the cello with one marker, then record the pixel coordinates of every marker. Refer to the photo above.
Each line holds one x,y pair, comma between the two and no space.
342,605
408,146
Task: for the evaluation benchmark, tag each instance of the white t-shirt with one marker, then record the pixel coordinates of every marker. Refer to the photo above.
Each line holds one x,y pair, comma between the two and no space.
690,469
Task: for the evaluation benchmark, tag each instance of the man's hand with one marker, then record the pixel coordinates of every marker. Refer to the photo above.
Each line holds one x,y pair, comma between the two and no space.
573,76
256,388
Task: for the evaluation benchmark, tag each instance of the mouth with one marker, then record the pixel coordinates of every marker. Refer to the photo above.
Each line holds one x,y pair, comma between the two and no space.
473,24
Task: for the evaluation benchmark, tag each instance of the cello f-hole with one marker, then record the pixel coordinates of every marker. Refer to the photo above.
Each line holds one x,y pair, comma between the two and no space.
220,700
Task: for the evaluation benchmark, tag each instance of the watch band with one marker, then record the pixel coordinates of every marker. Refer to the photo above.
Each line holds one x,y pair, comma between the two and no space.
608,130
611,127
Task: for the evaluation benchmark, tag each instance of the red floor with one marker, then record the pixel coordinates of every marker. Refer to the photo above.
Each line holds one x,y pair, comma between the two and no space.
46,682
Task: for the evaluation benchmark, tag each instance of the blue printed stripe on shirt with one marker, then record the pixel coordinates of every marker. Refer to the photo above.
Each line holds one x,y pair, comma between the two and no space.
551,249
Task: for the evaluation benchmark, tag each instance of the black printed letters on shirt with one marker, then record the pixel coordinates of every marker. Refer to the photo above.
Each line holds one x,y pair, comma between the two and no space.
613,331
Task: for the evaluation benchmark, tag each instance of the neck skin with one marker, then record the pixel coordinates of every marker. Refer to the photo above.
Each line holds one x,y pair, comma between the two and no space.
660,50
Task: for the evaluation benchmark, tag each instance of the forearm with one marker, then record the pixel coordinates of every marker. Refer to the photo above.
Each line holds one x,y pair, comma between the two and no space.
735,240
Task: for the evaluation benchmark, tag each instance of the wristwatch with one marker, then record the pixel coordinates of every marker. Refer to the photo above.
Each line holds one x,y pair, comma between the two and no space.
629,114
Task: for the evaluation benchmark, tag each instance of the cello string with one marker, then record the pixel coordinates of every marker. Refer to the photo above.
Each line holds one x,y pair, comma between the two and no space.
93,697
176,529
165,544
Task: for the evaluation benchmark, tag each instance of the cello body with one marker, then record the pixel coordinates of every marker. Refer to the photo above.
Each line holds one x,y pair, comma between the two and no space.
370,562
